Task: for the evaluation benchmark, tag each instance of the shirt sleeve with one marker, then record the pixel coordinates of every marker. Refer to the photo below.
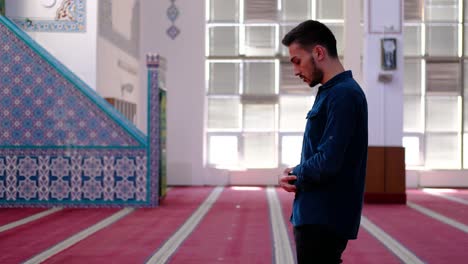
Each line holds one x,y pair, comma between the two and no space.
339,129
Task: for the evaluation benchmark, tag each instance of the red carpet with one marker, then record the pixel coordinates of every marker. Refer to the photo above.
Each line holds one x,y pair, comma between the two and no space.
429,239
136,237
236,230
366,249
453,210
23,242
8,215
459,193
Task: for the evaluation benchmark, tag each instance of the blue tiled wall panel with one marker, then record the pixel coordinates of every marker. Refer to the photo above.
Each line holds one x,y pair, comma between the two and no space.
61,144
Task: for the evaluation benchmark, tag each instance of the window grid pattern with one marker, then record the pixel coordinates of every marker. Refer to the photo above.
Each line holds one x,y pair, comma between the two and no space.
434,86
256,108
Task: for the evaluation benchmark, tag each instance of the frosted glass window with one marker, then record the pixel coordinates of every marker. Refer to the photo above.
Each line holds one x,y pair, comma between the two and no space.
223,113
466,78
283,49
259,117
465,151
442,151
330,9
261,10
224,78
224,41
412,40
442,40
260,41
412,117
465,101
297,10
413,10
412,150
465,117
442,114
412,77
260,150
259,78
443,77
224,10
465,29
288,79
251,91
441,10
465,4
338,31
223,150
293,111
291,147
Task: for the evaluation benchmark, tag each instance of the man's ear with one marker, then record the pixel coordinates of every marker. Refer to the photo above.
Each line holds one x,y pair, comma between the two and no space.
319,52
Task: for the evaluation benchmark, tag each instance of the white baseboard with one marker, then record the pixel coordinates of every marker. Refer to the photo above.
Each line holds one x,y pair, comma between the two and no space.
437,178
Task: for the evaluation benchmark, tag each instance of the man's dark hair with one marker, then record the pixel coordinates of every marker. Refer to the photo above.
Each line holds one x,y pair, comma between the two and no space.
310,33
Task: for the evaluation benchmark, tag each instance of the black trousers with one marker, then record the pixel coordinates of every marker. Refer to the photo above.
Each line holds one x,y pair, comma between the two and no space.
318,244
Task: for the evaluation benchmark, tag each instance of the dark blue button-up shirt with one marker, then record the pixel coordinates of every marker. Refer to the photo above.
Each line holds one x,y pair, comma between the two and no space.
331,175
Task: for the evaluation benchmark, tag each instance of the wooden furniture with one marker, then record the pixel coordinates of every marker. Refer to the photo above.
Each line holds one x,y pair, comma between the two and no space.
385,179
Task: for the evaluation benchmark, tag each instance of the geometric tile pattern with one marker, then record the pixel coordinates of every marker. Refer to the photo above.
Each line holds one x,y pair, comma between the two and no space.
61,144
39,107
70,17
81,177
152,62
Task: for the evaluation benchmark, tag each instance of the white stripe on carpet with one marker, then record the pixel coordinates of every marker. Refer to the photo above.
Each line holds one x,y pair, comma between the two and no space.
28,219
165,252
282,245
445,196
439,217
398,249
79,236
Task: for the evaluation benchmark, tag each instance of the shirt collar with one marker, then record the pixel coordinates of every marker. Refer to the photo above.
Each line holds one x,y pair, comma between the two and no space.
337,78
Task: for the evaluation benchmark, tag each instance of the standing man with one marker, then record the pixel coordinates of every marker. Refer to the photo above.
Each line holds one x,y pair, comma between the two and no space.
329,181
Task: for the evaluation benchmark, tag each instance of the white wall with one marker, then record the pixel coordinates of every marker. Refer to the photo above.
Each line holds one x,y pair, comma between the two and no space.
353,38
185,81
117,49
385,100
77,51
111,77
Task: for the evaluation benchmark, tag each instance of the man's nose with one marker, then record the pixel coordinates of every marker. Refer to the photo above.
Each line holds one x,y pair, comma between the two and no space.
297,72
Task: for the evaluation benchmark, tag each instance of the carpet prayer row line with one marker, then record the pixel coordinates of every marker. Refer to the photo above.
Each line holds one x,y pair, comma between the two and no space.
235,227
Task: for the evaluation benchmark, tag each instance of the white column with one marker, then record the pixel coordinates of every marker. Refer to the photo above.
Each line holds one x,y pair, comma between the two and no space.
383,19
185,82
353,38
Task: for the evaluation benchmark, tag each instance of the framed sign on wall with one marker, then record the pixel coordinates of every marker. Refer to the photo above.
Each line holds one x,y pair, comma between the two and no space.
389,49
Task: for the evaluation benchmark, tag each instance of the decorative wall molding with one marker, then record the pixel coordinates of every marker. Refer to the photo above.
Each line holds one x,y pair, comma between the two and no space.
172,13
70,17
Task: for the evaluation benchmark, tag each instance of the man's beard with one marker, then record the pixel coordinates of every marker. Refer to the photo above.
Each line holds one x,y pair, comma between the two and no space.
316,76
